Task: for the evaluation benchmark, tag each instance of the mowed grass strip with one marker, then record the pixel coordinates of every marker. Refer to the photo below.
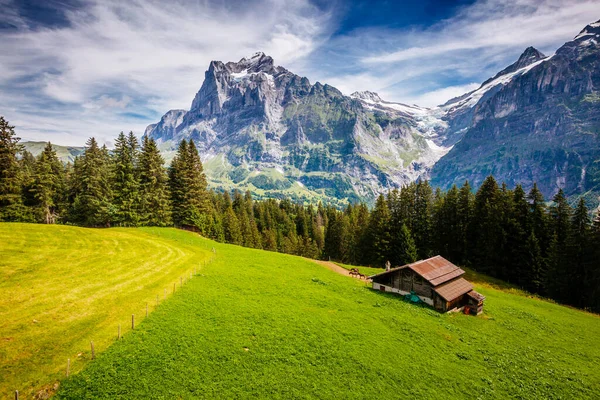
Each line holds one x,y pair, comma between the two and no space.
257,324
62,287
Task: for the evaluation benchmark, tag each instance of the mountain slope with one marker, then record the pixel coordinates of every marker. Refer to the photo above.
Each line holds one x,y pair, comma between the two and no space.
64,153
257,324
260,127
542,125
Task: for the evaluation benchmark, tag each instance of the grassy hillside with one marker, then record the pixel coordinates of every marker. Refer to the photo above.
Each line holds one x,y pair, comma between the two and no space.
256,324
64,153
61,287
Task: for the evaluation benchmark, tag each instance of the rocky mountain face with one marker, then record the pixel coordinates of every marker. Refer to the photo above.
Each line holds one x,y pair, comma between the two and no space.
541,125
260,127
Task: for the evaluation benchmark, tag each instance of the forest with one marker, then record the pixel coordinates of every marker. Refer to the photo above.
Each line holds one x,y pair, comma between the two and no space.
545,247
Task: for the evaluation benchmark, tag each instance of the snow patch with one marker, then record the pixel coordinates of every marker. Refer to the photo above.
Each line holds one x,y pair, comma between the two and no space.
476,95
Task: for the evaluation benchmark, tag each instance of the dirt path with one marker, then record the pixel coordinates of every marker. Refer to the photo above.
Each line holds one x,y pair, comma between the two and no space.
333,267
336,268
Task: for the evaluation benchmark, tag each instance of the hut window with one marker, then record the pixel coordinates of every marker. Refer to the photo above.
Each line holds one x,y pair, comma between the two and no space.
419,280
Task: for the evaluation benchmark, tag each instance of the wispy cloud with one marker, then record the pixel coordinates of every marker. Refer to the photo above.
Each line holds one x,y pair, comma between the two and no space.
120,65
138,56
428,64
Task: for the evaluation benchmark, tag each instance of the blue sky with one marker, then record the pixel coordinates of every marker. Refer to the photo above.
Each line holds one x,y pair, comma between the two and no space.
70,69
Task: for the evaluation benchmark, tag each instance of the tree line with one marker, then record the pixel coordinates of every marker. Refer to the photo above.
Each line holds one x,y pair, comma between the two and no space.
547,248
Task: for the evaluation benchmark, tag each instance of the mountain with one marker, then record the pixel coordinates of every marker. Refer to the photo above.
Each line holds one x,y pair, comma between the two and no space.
64,153
260,127
536,121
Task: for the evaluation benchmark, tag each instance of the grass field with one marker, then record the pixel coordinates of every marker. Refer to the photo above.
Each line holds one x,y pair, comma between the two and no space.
62,287
257,324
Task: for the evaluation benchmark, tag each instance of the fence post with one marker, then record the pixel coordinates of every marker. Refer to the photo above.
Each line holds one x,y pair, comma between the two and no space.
119,332
132,321
16,395
174,287
180,281
93,354
157,300
68,366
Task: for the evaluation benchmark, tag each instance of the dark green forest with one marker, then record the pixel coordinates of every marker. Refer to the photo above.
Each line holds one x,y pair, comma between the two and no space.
545,247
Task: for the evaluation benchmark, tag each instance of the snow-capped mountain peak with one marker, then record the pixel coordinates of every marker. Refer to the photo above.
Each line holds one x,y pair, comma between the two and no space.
367,96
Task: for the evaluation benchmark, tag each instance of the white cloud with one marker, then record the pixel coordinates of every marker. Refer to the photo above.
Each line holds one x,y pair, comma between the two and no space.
429,65
119,60
139,54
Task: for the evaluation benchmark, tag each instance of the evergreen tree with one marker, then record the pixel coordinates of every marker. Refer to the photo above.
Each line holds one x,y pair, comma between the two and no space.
92,190
11,201
231,227
579,249
466,199
486,233
189,196
407,248
421,228
49,186
126,181
557,278
154,207
379,234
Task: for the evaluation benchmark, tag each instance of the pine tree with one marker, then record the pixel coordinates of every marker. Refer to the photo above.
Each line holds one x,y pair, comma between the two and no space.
91,187
534,273
11,201
189,197
559,264
231,227
177,183
154,208
379,234
126,181
579,250
517,253
421,228
49,186
485,230
466,199
27,165
407,248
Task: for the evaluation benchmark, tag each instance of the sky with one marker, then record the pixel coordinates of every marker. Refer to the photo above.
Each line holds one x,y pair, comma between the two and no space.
71,69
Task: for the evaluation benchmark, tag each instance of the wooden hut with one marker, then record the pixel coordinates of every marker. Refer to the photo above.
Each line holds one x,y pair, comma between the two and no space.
436,281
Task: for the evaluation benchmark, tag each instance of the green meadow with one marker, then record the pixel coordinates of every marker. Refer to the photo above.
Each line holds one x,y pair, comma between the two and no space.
62,287
257,324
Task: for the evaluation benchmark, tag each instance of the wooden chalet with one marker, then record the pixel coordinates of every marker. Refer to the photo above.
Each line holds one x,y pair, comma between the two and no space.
436,281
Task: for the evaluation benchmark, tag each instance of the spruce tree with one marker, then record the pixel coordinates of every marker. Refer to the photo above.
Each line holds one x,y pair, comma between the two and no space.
92,204
485,229
579,250
421,228
154,208
379,233
11,201
464,220
559,264
126,181
407,251
49,186
177,183
231,227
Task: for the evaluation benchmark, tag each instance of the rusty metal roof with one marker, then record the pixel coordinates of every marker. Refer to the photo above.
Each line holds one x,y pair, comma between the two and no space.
436,270
453,289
